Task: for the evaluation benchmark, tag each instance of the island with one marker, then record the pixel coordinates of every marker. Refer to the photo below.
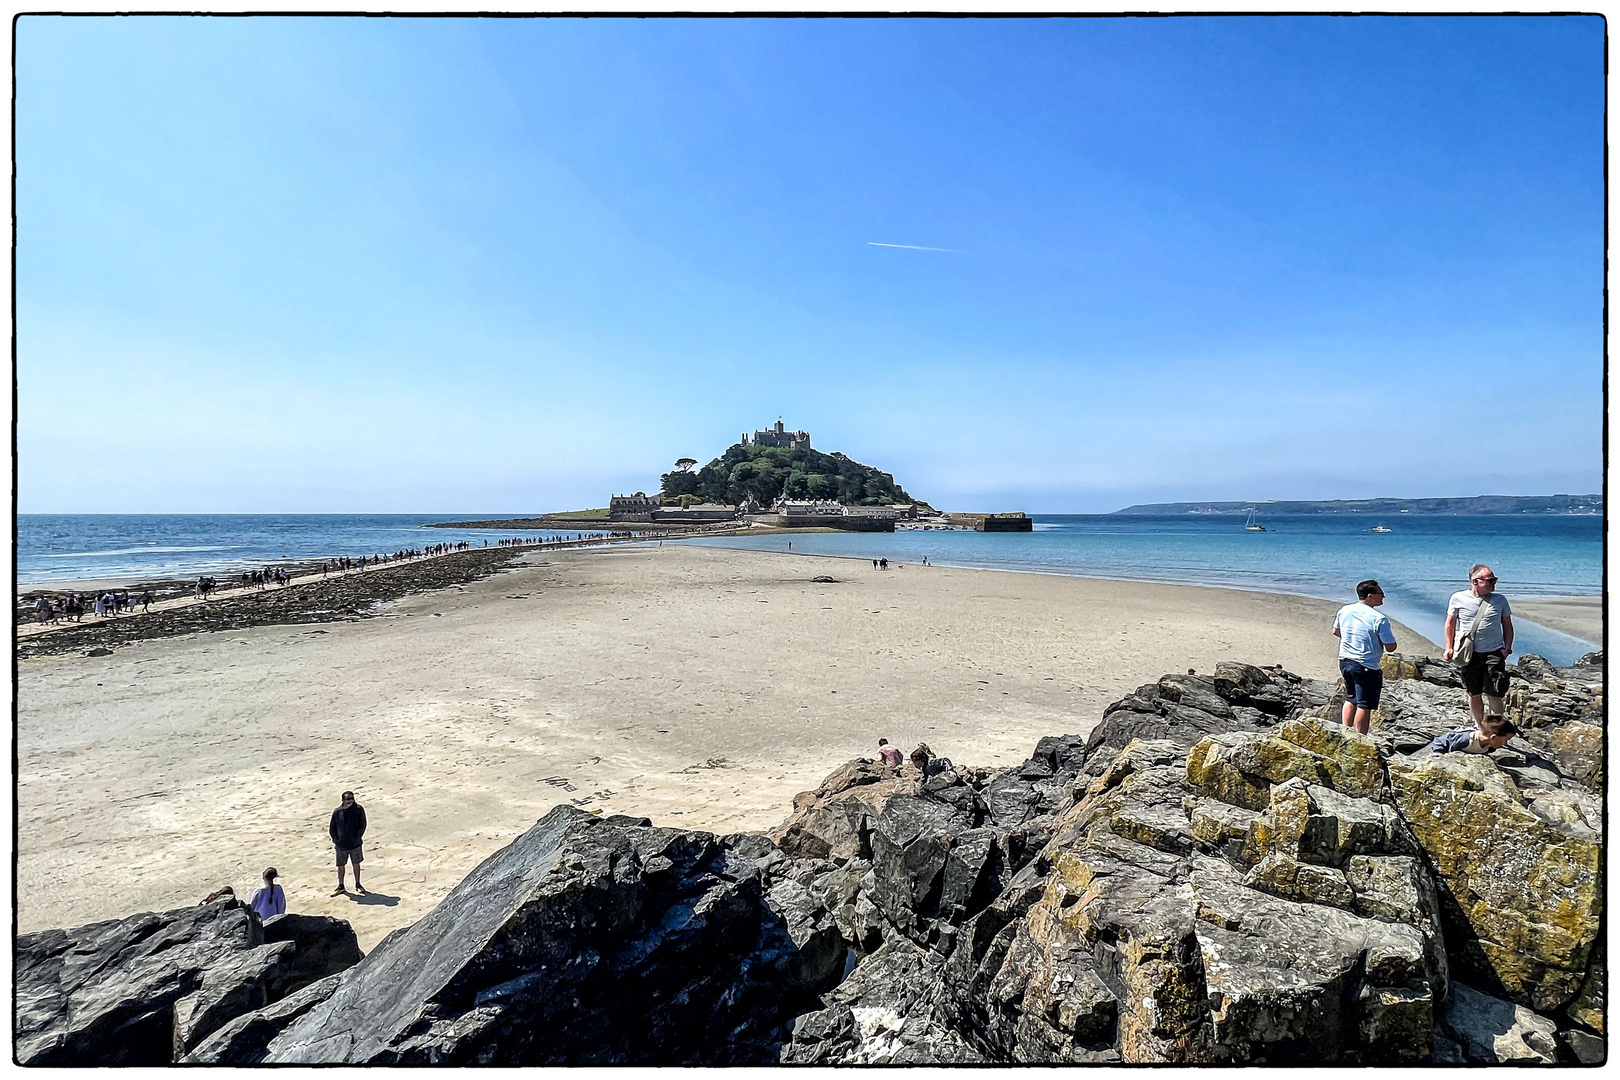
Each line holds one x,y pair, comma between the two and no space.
771,478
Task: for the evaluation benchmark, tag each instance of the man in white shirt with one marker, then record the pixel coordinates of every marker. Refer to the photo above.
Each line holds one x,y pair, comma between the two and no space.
1481,607
1364,636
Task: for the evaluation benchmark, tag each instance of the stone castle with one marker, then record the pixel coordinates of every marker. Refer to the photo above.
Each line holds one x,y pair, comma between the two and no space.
777,436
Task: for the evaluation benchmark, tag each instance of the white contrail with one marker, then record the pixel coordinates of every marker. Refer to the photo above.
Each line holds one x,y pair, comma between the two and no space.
916,247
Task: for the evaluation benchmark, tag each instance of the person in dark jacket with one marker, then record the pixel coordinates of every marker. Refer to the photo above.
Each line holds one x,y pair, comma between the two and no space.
347,829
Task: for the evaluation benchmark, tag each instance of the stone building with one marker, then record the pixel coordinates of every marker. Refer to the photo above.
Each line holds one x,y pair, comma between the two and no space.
808,508
637,507
778,436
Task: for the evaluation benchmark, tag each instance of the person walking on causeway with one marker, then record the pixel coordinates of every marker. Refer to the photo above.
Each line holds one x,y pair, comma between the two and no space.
347,829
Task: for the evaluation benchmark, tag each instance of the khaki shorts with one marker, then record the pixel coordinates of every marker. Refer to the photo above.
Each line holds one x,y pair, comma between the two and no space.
354,854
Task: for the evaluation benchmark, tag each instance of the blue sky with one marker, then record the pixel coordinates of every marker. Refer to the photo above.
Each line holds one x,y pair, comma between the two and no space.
429,265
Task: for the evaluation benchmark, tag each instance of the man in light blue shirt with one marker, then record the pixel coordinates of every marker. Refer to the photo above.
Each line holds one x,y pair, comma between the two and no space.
1364,636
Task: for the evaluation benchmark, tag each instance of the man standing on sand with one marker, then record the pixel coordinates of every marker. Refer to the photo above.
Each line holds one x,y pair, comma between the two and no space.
1364,636
1482,610
347,829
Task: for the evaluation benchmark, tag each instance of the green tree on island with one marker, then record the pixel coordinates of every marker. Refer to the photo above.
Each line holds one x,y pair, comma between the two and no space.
766,473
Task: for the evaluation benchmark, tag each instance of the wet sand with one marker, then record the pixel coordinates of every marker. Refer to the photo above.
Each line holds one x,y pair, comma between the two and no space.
696,686
1578,616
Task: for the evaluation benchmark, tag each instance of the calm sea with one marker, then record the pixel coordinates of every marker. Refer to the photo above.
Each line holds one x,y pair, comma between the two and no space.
1419,564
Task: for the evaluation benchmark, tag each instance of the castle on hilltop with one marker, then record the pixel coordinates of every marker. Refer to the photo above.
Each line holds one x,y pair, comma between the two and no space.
778,436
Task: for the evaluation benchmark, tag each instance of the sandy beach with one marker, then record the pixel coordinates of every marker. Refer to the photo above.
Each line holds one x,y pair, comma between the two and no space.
696,686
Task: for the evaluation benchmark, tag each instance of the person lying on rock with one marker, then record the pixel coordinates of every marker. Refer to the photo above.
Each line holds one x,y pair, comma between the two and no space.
1492,734
347,828
890,754
223,893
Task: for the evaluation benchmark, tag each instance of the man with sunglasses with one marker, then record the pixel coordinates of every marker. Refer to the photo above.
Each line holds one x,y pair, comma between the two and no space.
1488,613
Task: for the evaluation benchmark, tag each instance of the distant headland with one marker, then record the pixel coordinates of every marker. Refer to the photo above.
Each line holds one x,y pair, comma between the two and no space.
1474,504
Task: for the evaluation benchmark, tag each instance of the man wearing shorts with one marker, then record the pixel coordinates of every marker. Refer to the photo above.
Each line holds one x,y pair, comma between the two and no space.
347,829
1364,636
1485,677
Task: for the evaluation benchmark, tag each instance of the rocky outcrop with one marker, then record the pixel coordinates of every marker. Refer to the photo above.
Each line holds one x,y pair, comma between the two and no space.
1237,887
586,940
148,989
1219,873
1522,889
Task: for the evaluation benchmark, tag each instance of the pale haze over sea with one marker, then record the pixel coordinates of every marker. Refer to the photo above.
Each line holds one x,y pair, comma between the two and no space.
365,265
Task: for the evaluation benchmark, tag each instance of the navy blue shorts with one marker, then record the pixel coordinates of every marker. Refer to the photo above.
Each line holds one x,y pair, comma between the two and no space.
1362,684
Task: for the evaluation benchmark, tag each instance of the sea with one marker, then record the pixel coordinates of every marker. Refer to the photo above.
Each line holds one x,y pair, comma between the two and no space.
1419,562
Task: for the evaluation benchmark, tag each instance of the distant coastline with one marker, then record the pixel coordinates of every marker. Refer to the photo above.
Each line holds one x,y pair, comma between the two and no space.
1591,505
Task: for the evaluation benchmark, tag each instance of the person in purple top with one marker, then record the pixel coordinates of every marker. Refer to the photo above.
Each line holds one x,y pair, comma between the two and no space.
269,900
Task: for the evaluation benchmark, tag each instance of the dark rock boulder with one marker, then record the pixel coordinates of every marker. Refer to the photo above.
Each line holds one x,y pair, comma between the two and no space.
245,1039
323,946
585,941
147,989
911,845
881,1015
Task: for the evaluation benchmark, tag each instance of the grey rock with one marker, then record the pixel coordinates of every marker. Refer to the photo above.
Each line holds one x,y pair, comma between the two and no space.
911,844
1496,1032
244,1040
835,820
323,946
1585,1047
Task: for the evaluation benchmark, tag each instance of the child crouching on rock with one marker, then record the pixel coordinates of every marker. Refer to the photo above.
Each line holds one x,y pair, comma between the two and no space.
1492,734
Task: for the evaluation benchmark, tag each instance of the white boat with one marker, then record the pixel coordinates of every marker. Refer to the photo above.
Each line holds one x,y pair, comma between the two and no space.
1381,528
1252,525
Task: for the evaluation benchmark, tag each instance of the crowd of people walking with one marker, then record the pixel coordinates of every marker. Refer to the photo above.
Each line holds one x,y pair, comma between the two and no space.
72,607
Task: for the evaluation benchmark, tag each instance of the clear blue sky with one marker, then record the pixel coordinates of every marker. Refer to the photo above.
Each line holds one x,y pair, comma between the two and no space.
374,265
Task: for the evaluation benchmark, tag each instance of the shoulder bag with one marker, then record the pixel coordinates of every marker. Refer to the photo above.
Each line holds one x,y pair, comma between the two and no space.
1463,651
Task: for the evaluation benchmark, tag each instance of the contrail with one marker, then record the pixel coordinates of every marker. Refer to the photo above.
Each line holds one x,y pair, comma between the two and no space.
916,247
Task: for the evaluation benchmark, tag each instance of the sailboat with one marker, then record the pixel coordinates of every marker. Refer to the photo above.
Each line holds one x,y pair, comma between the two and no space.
1252,525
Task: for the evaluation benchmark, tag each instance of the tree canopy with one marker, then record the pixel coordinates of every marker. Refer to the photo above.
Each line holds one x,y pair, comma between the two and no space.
768,472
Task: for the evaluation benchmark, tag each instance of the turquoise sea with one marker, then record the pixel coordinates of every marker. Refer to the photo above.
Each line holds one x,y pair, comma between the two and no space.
1420,563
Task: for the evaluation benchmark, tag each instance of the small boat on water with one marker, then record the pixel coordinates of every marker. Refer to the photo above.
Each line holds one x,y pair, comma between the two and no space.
1382,528
1252,525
